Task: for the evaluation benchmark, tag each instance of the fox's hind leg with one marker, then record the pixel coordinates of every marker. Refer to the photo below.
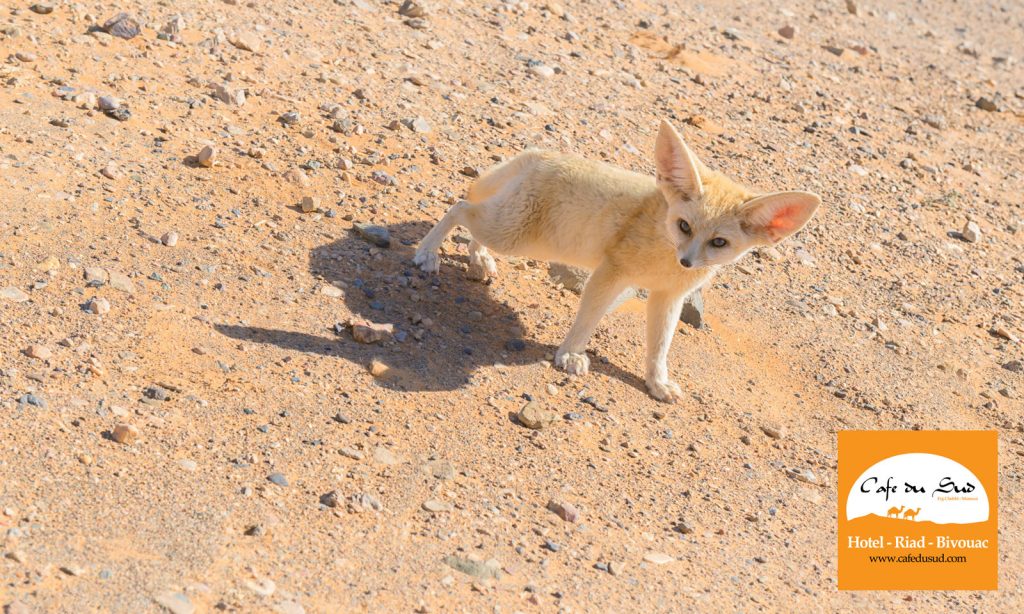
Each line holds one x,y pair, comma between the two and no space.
427,254
481,263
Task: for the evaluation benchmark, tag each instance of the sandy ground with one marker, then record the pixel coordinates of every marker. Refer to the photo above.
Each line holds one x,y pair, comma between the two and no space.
251,406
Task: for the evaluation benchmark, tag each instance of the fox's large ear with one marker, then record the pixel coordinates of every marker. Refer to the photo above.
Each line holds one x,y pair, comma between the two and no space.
773,217
677,166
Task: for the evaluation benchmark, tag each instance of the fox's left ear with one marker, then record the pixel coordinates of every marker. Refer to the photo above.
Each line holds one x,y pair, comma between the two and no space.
677,166
773,217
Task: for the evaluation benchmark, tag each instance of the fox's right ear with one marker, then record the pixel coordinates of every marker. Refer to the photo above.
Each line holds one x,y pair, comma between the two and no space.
676,164
773,217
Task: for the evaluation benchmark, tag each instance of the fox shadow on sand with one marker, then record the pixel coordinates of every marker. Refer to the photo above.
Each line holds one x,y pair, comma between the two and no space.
468,327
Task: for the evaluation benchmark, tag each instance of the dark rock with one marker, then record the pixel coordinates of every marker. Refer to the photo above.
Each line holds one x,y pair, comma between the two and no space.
121,114
123,26
693,310
157,393
987,104
378,235
33,400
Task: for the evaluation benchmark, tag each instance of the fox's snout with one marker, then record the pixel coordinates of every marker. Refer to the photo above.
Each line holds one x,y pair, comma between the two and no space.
685,262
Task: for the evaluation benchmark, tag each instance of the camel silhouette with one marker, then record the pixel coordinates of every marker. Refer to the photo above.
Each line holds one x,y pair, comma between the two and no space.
911,514
895,512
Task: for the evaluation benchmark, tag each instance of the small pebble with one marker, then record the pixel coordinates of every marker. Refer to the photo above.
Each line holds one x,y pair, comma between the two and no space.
565,511
533,416
108,103
39,351
125,434
207,156
971,232
98,306
658,558
310,204
433,505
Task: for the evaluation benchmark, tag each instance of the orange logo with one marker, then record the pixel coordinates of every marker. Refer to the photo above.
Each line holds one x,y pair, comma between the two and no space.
918,510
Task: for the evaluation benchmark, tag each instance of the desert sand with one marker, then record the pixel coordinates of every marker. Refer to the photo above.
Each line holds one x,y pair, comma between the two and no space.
188,422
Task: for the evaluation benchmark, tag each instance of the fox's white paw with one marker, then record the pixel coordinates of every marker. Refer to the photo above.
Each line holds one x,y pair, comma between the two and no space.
665,390
483,270
577,364
428,260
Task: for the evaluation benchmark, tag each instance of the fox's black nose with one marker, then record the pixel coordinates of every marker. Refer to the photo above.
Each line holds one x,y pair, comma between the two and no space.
685,262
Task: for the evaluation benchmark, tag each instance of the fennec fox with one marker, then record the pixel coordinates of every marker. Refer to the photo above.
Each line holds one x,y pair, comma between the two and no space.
667,234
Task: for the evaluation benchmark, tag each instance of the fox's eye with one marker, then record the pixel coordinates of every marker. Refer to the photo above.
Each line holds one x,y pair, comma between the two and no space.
684,226
719,242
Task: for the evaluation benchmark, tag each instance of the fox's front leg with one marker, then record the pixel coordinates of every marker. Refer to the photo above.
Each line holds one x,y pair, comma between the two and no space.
603,287
662,318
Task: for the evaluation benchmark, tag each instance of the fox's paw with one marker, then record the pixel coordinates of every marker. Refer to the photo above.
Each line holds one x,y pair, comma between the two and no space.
483,270
428,260
665,390
577,364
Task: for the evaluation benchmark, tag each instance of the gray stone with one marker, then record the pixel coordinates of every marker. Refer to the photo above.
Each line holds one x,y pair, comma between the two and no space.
437,506
122,25
971,232
565,511
535,417
417,124
227,94
120,281
732,34
484,570
364,502
803,475
33,400
542,71
207,156
108,103
98,306
121,114
278,478
572,278
157,393
693,310
11,293
378,235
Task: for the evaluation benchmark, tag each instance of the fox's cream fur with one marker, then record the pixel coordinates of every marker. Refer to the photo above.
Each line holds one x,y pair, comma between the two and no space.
668,234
